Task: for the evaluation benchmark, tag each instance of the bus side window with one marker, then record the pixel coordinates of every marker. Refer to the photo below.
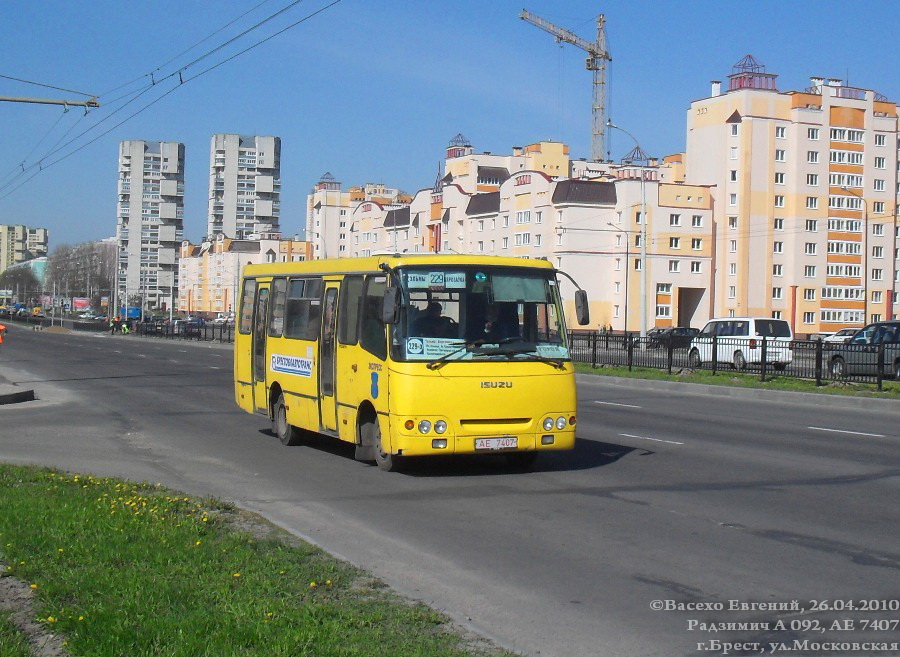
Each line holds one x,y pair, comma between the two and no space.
348,319
303,309
246,318
373,338
276,323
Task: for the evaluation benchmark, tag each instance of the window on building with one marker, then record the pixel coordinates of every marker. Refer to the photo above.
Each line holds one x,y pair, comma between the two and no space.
779,201
879,140
877,230
674,266
696,243
877,251
809,294
696,221
695,267
732,292
732,269
809,271
732,223
780,132
674,219
812,179
879,162
878,207
734,129
776,292
780,155
809,318
812,202
877,274
777,270
809,248
733,175
878,185
779,178
732,246
812,157
778,247
812,133
733,153
664,288
732,199
876,296
663,311
674,242
812,225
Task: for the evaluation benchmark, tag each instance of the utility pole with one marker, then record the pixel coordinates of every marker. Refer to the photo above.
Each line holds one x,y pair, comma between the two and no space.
596,61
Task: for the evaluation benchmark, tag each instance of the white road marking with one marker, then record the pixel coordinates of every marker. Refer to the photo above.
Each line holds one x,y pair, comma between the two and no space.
616,404
854,433
656,440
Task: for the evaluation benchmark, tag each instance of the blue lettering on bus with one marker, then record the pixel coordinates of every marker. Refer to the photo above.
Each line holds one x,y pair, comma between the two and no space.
374,385
292,365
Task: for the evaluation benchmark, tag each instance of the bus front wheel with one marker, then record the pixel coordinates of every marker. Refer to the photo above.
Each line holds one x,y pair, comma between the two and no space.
288,434
383,459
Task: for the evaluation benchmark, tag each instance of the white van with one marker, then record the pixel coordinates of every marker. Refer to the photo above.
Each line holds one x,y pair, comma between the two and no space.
739,341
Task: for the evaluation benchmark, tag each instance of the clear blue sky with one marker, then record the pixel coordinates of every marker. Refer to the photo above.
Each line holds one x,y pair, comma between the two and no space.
373,90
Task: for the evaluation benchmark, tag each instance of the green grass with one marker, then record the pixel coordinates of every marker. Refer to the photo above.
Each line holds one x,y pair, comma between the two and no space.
119,568
12,642
728,377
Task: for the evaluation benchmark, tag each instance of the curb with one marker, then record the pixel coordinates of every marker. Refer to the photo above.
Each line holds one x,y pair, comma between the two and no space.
783,396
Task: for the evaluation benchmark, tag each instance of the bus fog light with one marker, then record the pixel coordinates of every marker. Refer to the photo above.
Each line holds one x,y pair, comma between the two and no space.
560,422
439,443
440,426
547,440
410,425
548,423
572,420
424,426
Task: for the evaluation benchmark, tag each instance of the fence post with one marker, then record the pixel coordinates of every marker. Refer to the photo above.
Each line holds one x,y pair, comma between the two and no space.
629,346
593,350
715,354
819,359
765,357
880,366
670,350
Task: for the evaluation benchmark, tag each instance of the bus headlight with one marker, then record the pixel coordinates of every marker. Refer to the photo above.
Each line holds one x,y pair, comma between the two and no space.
424,426
560,423
548,423
440,426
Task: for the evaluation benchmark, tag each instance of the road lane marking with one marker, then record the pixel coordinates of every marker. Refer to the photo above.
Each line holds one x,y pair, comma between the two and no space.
656,440
616,404
854,433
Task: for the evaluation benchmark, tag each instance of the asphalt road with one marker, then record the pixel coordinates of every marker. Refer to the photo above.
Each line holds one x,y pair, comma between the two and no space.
670,498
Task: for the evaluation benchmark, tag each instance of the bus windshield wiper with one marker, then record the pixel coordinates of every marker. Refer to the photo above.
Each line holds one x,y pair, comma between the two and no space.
528,348
438,362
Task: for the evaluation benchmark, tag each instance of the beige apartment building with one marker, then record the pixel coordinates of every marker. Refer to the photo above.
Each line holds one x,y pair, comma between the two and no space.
19,243
244,186
587,218
210,273
805,193
150,222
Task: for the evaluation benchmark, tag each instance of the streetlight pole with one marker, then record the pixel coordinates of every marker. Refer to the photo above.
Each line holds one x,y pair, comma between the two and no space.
627,267
643,232
865,246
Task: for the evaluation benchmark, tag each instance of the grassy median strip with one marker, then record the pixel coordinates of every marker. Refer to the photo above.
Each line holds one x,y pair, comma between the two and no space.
729,377
118,568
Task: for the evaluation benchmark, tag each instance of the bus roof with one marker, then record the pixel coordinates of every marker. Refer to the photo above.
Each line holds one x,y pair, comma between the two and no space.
373,264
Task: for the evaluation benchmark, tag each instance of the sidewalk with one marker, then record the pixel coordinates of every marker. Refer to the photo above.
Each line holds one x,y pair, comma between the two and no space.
10,393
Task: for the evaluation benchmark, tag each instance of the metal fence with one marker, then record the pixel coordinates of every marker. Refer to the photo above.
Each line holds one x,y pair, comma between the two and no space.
816,360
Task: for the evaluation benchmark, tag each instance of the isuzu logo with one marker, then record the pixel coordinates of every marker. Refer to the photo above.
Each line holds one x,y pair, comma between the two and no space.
496,384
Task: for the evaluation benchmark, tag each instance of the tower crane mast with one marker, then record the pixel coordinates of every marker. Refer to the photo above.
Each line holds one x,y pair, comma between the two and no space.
596,61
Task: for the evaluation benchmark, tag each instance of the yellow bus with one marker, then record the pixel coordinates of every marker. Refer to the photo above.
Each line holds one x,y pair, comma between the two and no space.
410,355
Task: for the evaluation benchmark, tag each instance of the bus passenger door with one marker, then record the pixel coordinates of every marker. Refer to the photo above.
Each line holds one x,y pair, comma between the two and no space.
327,345
260,364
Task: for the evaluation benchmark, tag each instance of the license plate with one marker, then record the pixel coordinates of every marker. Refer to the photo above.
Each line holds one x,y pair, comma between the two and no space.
507,442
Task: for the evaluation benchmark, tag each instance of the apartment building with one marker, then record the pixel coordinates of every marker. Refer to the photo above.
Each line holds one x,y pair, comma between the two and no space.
210,273
805,188
529,205
19,243
244,186
150,221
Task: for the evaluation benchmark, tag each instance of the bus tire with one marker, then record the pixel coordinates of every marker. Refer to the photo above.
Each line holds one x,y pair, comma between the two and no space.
384,460
288,434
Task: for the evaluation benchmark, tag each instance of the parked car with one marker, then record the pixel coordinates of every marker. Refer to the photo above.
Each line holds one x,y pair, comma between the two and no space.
860,355
739,341
843,336
676,336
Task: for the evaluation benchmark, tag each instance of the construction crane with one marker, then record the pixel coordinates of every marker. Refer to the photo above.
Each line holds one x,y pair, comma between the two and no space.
596,60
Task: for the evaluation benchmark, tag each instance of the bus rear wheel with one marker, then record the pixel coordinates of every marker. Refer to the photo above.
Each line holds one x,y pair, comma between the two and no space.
288,434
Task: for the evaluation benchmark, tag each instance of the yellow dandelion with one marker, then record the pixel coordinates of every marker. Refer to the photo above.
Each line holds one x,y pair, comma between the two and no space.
51,619
236,575
313,585
327,582
81,618
33,586
198,543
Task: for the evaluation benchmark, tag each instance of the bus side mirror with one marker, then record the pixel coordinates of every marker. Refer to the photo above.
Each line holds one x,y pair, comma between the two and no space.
582,314
390,307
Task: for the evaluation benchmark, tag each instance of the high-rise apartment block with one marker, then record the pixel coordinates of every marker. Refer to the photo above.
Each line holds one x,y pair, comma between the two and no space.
19,243
149,229
244,186
805,189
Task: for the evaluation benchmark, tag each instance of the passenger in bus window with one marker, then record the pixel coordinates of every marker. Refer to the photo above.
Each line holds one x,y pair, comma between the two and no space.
432,324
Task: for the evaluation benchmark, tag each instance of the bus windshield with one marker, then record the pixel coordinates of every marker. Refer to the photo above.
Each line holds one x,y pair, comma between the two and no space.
472,313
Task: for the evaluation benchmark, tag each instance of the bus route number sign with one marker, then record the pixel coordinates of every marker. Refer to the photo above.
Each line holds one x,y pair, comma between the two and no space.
436,280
